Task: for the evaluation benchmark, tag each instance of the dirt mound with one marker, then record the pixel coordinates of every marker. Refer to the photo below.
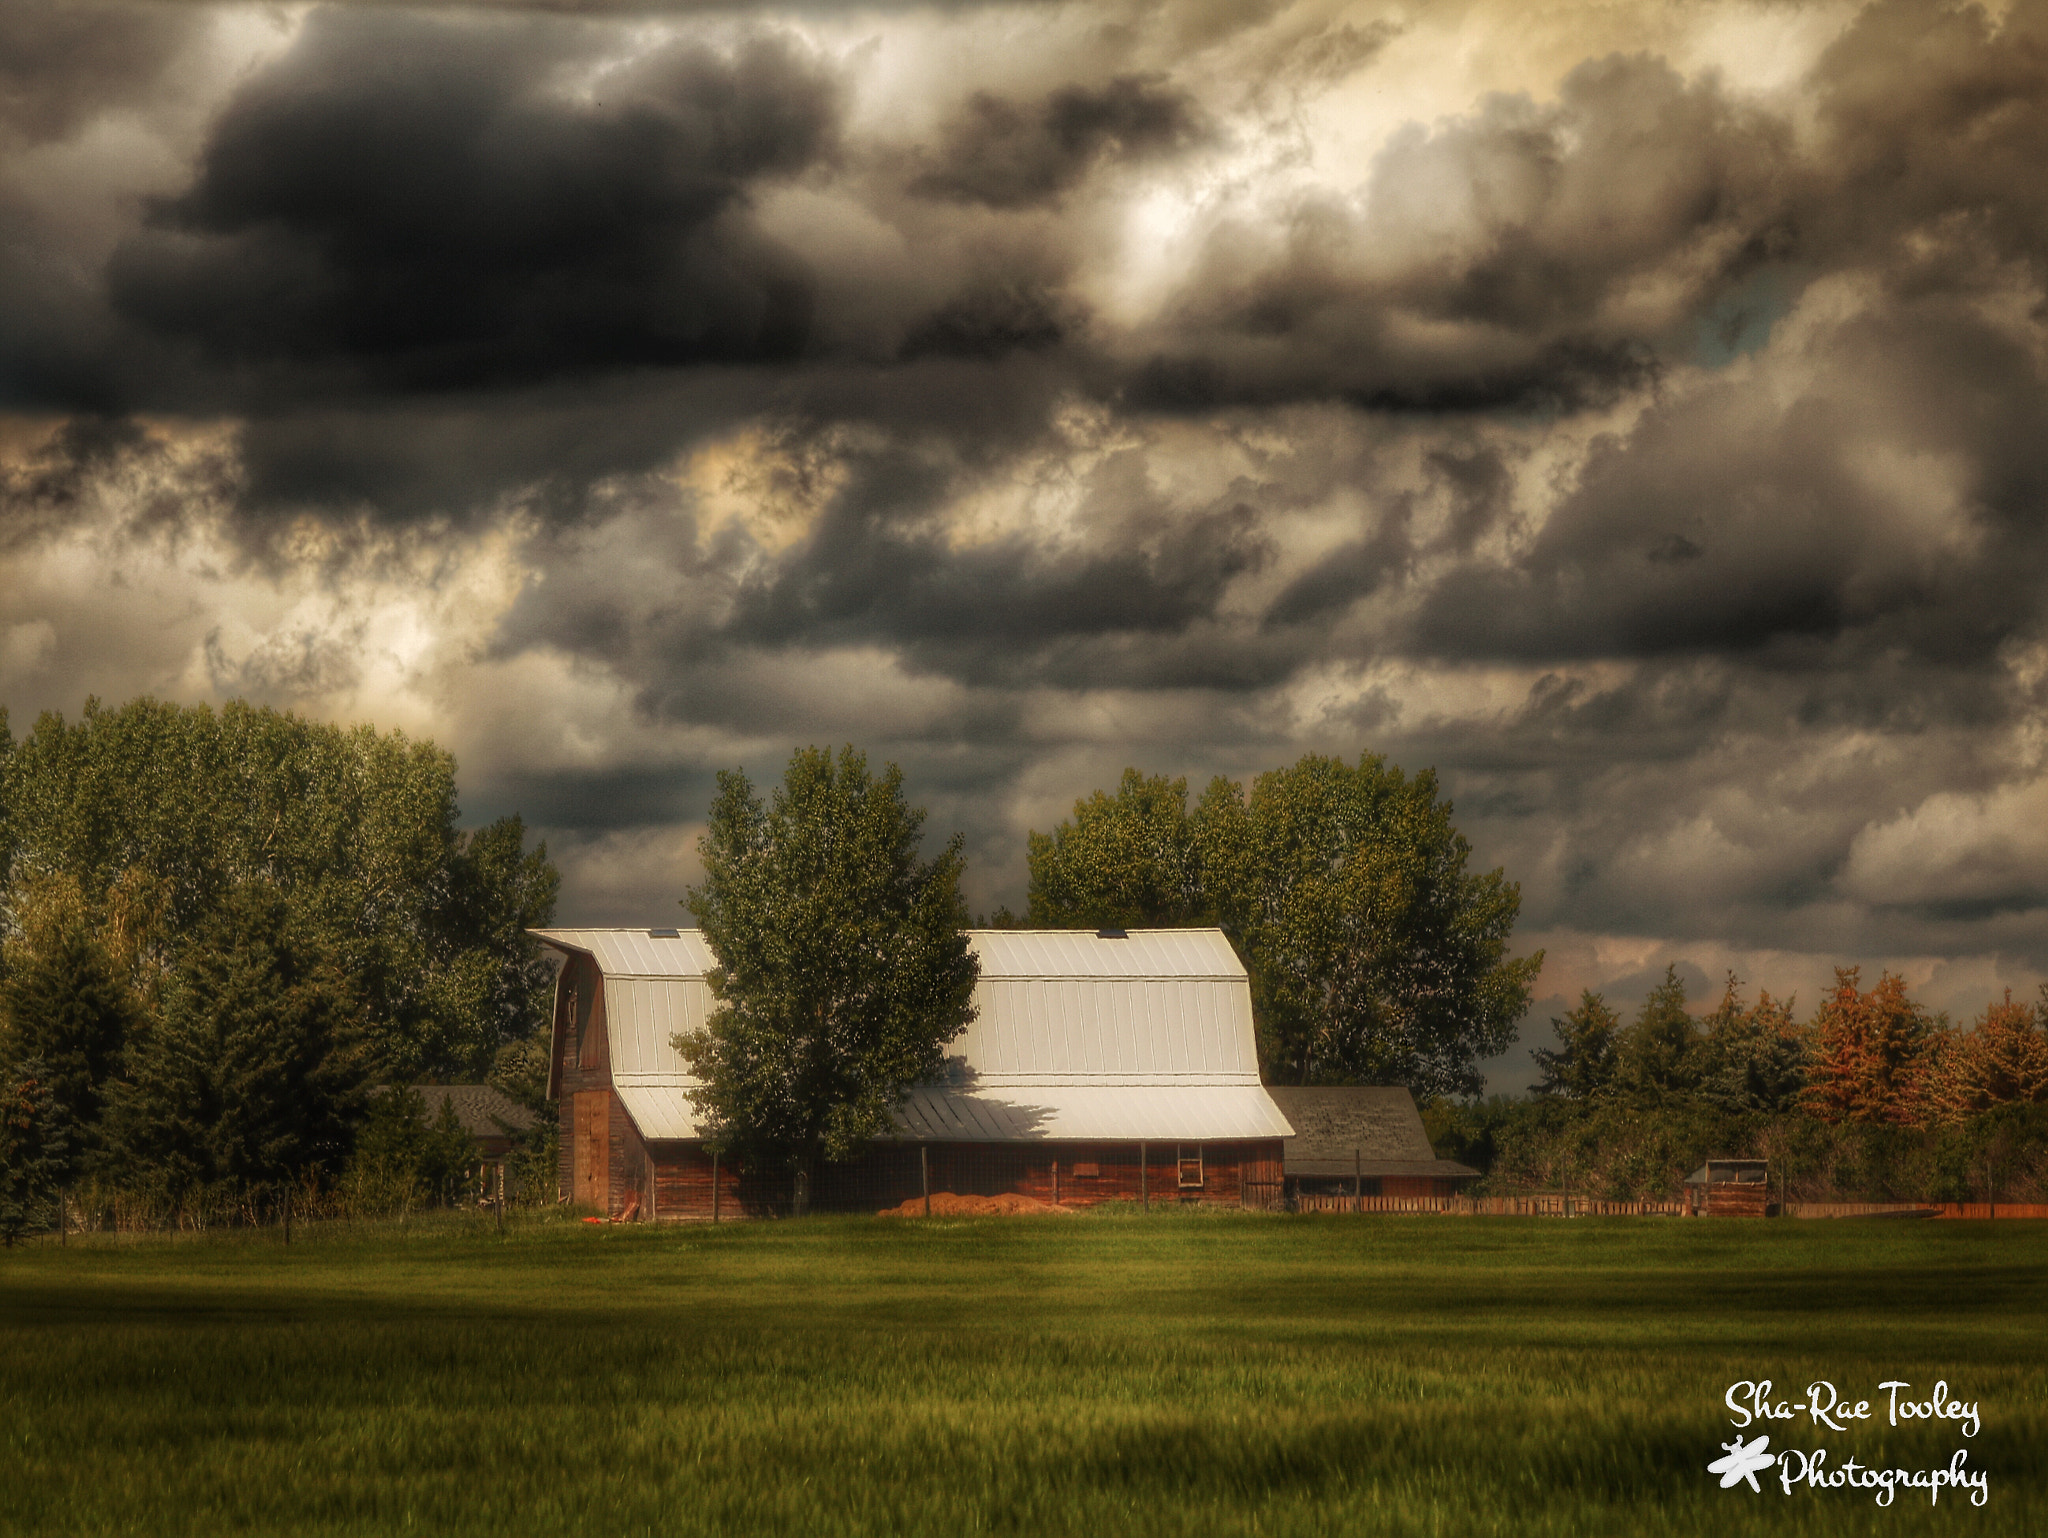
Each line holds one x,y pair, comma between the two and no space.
946,1204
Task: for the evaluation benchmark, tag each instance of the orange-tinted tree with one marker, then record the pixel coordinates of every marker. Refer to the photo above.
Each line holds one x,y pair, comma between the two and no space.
1869,1055
2003,1059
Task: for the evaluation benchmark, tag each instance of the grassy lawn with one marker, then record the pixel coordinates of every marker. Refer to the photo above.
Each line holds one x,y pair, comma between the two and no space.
1185,1374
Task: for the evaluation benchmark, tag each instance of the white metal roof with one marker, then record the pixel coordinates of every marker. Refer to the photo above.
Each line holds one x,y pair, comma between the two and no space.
639,952
1066,1113
1049,1114
1076,1037
1049,953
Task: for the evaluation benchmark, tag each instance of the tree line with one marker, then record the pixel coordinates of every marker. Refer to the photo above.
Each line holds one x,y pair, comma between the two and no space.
1872,1096
219,929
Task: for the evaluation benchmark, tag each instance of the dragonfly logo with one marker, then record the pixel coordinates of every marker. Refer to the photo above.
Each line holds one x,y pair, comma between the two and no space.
1744,1461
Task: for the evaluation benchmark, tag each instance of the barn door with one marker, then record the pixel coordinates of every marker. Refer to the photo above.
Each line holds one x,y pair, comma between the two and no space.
593,1152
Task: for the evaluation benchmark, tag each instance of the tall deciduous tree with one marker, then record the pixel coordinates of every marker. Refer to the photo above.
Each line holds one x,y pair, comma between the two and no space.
1376,957
843,963
1869,1052
157,813
1127,861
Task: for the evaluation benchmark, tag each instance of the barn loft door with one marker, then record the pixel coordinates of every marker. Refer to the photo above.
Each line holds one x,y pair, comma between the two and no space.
594,1149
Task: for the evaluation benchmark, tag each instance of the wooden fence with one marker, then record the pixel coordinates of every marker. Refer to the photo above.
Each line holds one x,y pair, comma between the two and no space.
1981,1210
1545,1205
1554,1205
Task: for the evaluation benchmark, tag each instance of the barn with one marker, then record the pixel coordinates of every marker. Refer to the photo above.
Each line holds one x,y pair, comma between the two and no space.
1100,1066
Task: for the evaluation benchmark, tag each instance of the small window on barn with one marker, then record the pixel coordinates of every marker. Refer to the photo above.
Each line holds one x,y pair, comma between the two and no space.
1191,1166
1087,1172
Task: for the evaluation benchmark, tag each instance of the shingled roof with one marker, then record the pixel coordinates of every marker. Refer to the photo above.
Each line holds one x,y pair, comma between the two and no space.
1362,1130
478,1107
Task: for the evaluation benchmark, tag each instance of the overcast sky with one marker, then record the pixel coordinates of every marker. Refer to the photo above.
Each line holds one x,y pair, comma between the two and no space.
1637,413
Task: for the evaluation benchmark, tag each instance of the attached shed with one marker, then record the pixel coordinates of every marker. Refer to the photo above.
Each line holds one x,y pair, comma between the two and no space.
1360,1139
490,1116
1099,1066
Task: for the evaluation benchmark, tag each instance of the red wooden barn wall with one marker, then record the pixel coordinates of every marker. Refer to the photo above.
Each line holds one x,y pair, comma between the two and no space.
888,1175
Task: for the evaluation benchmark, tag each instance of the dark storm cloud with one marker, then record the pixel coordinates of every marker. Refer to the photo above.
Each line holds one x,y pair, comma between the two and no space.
1009,154
1483,262
1727,523
863,576
1936,122
1000,509
62,64
878,569
420,203
1475,485
991,318
88,465
550,449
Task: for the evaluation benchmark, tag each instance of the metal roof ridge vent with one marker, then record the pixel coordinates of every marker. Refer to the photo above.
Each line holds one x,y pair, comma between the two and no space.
1112,934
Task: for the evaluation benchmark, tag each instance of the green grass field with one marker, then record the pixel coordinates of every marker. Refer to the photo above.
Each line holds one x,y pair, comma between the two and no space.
1184,1374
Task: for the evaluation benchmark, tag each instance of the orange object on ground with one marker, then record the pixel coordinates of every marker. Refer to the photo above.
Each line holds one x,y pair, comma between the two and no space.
946,1204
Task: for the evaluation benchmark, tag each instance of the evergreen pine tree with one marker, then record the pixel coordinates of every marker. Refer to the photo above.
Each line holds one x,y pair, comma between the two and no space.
34,1150
253,1074
1870,1050
1655,1054
1583,1064
65,1006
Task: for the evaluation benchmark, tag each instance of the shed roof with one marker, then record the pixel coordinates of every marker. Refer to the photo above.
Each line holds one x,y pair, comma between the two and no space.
1740,1172
478,1107
1077,1036
1359,1129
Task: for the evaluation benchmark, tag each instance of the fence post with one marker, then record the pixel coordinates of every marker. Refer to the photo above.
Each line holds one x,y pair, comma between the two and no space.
714,1185
924,1178
1144,1179
1357,1181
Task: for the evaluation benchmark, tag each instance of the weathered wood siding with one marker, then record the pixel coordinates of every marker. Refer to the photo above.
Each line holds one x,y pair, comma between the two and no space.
1075,1174
587,1108
1733,1199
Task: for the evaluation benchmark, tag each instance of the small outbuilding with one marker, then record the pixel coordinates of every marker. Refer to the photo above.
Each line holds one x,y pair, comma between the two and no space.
1362,1140
1100,1066
490,1116
1729,1188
